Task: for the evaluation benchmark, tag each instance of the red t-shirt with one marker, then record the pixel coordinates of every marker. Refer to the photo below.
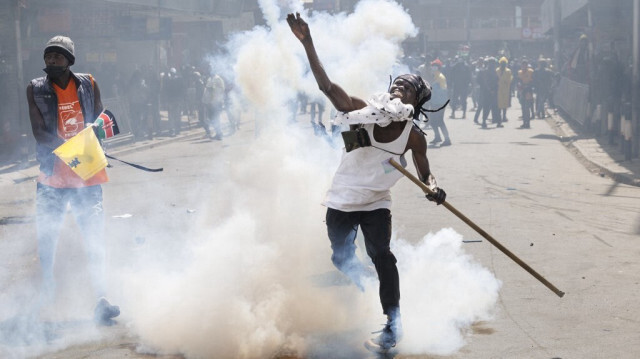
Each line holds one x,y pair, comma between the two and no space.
70,123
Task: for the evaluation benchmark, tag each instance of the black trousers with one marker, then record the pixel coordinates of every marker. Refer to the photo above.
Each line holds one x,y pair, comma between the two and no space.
342,228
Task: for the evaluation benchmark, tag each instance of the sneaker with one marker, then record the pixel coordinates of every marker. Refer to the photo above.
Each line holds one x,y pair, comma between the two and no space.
389,337
435,141
105,312
446,143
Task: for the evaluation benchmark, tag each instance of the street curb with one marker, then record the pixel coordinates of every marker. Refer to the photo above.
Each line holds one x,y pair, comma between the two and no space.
135,147
585,158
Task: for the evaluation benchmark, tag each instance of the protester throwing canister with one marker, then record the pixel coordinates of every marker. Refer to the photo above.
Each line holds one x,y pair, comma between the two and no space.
381,129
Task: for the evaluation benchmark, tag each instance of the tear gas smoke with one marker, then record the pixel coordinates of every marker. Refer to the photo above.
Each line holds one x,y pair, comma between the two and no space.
255,277
248,289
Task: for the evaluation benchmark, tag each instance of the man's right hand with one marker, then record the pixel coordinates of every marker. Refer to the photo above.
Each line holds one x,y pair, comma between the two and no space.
298,26
99,130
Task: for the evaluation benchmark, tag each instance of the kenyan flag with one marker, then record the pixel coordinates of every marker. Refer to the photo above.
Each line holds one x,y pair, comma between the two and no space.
106,125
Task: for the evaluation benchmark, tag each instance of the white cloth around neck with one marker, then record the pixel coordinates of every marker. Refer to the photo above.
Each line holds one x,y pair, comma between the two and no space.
381,109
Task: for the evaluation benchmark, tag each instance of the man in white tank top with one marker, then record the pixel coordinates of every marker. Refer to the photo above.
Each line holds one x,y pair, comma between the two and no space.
359,196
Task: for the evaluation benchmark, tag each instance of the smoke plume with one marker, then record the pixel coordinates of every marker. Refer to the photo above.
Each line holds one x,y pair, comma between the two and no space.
253,277
260,281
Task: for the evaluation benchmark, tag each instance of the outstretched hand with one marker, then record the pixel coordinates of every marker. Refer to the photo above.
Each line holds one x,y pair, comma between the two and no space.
298,26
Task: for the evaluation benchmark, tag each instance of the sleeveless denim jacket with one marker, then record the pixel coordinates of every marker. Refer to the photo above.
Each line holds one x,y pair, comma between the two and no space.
45,99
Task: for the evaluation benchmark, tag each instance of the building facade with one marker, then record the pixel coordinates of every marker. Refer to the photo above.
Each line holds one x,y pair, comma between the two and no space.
601,37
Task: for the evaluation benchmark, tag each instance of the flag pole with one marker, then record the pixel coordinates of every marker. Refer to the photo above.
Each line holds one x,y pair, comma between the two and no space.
477,228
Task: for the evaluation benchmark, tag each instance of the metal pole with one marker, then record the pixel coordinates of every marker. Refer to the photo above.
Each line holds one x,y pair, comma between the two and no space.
481,231
468,24
635,89
24,151
557,35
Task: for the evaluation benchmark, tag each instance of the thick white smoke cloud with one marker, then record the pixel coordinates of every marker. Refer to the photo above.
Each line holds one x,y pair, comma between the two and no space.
256,284
444,291
254,276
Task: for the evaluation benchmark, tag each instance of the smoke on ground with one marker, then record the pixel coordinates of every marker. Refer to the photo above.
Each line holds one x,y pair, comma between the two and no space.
261,281
254,277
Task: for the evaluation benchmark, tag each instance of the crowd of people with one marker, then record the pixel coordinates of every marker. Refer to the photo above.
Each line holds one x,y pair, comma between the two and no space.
486,84
157,101
489,83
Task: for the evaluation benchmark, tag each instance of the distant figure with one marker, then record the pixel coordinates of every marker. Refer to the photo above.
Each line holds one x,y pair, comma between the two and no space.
438,98
480,67
317,106
489,93
578,67
542,81
152,79
303,100
232,115
525,92
460,80
60,106
198,84
138,103
505,77
174,90
213,99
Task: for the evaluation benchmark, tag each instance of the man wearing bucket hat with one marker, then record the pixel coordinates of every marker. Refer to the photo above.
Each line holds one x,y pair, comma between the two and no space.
61,104
382,128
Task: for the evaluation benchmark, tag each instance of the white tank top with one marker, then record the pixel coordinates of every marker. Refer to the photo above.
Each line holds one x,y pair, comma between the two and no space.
364,178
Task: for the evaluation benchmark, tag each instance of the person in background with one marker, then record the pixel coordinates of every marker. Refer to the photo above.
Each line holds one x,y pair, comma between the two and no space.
213,99
461,81
525,92
317,106
542,80
61,104
505,77
174,90
480,67
489,92
439,97
138,106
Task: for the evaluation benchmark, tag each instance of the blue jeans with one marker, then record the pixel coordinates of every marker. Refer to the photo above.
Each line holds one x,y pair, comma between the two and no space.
342,228
51,208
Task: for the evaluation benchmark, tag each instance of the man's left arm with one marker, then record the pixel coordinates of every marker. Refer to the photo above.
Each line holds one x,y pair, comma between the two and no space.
418,145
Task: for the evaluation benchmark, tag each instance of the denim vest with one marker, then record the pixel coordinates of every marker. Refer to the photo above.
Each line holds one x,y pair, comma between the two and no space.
46,100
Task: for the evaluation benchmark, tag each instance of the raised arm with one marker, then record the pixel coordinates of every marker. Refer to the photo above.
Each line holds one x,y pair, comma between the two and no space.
338,97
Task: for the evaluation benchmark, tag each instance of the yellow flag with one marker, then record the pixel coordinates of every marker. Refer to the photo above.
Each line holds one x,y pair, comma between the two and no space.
83,154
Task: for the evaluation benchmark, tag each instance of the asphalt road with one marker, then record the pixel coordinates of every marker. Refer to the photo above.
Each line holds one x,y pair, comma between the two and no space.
576,228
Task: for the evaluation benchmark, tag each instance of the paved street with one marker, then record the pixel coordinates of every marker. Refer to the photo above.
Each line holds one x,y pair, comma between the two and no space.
557,212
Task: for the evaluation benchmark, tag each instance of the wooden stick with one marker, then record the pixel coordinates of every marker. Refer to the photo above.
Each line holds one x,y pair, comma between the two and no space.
477,228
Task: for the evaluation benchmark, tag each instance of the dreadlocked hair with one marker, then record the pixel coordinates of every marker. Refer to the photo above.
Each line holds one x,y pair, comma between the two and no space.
423,93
